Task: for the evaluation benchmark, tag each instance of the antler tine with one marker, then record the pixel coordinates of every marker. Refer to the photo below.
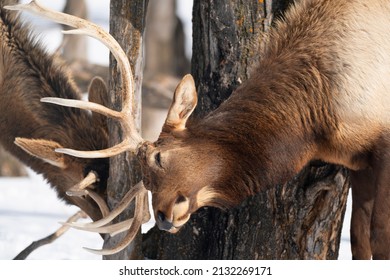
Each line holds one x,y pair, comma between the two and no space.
146,210
91,178
127,144
122,205
111,229
80,190
125,116
86,105
135,226
100,202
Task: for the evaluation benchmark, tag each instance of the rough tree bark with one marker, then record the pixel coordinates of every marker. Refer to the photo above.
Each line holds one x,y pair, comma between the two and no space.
127,23
299,220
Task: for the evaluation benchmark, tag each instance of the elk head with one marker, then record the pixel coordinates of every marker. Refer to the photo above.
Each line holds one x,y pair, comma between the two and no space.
182,170
168,165
74,178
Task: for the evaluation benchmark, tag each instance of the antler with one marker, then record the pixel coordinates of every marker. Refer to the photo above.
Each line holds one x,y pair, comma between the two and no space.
141,215
132,139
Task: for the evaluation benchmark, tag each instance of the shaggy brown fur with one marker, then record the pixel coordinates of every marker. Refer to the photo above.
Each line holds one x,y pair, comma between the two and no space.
320,91
27,73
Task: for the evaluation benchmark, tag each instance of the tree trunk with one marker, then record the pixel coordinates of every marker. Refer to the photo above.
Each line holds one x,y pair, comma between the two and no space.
299,220
165,64
75,46
127,23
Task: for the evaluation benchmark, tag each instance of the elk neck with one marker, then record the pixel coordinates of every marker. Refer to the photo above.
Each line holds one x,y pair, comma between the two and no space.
270,125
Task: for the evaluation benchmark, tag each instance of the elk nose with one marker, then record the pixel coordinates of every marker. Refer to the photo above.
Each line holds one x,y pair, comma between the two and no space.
162,222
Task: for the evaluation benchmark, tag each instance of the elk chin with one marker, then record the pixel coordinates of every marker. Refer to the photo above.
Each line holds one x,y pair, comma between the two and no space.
178,225
174,230
180,214
182,211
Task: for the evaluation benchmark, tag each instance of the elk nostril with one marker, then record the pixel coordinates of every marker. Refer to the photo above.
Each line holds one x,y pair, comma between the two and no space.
162,222
160,216
180,199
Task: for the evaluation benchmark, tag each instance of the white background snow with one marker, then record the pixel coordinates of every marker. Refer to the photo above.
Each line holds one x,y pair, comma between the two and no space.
30,210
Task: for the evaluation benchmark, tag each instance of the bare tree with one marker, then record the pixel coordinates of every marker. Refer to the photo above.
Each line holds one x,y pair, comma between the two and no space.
127,24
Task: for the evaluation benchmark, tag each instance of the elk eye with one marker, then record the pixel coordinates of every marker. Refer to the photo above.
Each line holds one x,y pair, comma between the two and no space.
157,158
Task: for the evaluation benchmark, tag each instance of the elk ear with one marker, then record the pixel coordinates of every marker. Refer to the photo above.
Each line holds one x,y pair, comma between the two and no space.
42,149
183,104
98,93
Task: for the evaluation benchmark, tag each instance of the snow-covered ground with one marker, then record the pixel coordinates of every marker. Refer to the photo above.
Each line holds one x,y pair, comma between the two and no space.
29,209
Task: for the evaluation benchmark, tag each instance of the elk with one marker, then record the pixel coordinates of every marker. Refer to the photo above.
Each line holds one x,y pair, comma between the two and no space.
319,92
31,130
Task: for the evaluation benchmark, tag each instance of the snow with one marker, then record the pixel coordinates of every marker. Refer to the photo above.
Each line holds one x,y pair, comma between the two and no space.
30,209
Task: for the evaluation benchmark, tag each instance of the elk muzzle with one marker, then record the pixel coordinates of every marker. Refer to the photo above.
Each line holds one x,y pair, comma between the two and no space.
172,217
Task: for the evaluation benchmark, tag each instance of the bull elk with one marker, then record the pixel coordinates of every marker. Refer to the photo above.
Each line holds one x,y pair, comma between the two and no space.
31,130
320,92
28,74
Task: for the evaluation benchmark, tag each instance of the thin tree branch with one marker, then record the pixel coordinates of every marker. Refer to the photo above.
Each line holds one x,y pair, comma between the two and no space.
49,239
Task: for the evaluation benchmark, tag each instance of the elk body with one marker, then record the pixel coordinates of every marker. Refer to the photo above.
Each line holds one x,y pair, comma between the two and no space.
320,92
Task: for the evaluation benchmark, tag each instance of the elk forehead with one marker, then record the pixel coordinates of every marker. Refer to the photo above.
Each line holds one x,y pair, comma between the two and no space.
185,167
